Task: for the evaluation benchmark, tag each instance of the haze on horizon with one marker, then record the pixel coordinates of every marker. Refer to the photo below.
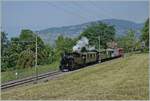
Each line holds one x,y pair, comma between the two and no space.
37,15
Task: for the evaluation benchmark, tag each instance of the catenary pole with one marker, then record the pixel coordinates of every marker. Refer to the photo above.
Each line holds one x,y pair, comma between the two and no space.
36,60
99,42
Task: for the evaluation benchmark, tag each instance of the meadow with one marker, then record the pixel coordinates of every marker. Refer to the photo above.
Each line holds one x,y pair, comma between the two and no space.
26,72
120,79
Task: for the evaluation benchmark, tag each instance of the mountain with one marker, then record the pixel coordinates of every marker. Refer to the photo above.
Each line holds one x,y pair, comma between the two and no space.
49,35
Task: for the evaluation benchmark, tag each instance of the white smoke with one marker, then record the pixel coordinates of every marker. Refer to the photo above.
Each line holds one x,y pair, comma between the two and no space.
83,42
90,48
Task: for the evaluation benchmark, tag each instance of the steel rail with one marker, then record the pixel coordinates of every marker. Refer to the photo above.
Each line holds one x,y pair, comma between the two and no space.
29,79
41,76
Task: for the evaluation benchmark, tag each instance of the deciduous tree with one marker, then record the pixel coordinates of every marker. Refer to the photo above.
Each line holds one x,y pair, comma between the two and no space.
145,33
102,30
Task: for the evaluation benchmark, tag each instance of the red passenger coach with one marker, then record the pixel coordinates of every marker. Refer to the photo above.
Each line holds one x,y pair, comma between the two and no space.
120,51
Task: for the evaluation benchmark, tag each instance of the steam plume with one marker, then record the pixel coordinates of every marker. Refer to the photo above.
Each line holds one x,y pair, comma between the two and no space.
83,42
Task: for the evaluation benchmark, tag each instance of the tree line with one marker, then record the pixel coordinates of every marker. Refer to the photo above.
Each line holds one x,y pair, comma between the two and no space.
132,43
19,52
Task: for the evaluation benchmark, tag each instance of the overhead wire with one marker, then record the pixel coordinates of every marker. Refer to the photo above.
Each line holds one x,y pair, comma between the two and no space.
109,14
102,9
81,8
67,11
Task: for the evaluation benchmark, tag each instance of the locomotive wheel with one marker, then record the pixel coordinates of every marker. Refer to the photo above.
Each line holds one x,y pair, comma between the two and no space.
70,69
60,67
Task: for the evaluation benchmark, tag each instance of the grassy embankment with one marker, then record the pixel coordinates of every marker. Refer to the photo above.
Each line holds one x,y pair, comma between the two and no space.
124,78
10,75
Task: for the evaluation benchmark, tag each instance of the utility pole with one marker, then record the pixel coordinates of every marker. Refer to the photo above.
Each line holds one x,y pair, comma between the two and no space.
99,48
99,42
36,60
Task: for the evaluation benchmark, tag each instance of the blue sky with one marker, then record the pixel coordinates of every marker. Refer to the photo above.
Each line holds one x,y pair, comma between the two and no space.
37,15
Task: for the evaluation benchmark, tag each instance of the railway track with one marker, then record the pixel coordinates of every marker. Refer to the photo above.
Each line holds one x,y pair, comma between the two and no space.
29,79
34,78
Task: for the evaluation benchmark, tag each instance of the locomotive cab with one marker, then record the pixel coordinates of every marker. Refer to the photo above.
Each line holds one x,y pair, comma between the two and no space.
121,52
67,61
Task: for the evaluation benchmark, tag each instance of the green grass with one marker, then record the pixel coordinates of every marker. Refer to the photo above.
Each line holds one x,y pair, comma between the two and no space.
10,75
123,79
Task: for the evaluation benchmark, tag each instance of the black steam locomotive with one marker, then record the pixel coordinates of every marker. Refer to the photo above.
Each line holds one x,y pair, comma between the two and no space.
74,60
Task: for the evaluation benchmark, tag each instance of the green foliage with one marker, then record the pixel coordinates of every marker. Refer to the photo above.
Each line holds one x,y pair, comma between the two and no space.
24,47
106,33
129,42
145,33
20,51
63,44
4,42
27,35
26,59
29,46
4,51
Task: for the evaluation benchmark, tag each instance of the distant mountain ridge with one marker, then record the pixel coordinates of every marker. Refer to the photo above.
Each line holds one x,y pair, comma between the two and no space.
49,35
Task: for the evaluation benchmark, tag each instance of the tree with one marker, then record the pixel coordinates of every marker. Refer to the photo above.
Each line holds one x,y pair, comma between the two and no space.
20,51
145,33
4,42
28,42
128,41
106,33
63,44
49,54
131,40
13,52
4,51
27,35
26,59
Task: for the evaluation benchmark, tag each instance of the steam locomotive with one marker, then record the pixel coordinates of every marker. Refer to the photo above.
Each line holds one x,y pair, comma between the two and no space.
76,60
